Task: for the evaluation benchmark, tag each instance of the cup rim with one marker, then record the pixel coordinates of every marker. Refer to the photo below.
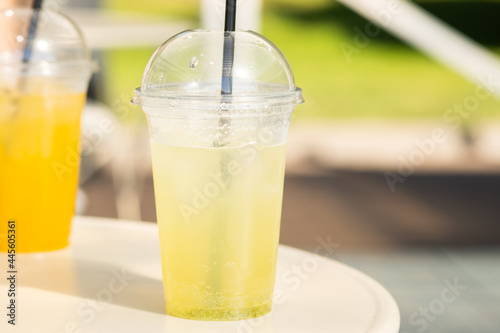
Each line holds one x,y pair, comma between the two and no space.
48,69
209,101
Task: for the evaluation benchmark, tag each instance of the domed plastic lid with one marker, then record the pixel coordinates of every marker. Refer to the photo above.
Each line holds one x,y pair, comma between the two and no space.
58,47
186,72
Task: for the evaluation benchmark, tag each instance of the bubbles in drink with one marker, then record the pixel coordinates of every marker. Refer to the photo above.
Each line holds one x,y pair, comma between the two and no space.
227,202
194,62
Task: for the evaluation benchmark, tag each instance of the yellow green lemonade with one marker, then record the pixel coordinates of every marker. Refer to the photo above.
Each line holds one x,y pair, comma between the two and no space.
39,162
219,212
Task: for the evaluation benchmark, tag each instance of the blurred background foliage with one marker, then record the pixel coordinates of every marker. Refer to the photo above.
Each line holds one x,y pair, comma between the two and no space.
385,79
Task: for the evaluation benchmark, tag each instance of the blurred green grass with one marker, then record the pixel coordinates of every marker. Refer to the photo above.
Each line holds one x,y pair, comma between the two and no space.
384,80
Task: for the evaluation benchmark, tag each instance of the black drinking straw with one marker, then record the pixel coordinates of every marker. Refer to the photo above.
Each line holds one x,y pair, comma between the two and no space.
227,69
216,277
228,56
28,48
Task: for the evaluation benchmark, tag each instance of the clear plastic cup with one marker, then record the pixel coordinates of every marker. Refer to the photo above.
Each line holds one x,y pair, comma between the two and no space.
40,107
218,164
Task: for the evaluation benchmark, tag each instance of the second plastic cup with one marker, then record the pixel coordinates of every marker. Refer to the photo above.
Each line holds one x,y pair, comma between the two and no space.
41,100
218,164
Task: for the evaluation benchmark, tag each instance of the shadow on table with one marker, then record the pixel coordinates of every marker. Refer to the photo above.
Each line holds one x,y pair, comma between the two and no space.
99,284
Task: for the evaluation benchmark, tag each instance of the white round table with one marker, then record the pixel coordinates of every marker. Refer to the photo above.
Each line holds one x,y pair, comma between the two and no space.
109,280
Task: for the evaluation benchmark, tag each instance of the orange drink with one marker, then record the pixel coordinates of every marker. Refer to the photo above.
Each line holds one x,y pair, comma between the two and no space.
39,164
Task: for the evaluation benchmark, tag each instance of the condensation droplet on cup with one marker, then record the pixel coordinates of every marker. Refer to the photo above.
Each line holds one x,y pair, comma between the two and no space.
172,105
194,62
223,106
266,104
